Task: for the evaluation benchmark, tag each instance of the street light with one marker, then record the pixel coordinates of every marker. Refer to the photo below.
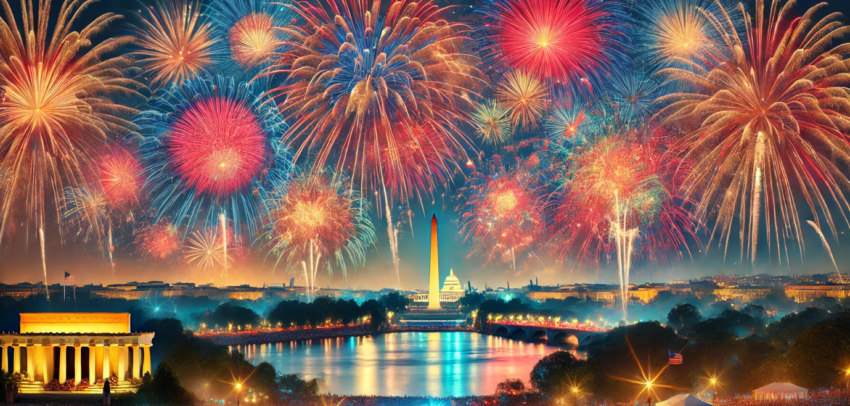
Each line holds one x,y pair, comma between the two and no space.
238,389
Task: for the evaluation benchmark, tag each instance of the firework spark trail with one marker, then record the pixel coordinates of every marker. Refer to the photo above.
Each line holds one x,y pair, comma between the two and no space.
222,218
755,209
43,261
625,242
828,250
110,248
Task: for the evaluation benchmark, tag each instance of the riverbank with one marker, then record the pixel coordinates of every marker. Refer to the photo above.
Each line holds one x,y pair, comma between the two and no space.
265,336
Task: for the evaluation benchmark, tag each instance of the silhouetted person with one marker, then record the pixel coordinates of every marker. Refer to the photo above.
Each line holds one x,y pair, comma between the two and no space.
106,398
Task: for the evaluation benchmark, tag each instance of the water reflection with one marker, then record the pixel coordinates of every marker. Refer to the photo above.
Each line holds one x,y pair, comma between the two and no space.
398,364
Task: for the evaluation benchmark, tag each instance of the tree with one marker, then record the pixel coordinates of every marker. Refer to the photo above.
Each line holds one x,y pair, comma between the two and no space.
510,387
168,333
819,355
395,302
163,389
291,383
683,317
228,314
557,372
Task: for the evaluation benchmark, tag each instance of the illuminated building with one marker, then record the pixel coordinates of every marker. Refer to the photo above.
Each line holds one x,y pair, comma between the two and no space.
743,294
434,280
98,345
122,294
807,293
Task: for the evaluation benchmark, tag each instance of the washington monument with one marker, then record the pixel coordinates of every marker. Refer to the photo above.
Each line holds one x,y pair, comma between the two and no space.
434,282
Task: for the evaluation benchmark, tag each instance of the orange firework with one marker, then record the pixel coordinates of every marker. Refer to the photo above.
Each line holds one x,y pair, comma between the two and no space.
55,105
174,44
319,220
765,123
253,40
121,176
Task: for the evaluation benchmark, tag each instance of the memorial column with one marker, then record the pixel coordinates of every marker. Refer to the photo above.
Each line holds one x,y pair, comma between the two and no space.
147,366
63,363
92,365
16,368
136,364
30,363
78,363
106,367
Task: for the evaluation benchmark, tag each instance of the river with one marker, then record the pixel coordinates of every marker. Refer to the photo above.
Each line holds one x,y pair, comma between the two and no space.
409,363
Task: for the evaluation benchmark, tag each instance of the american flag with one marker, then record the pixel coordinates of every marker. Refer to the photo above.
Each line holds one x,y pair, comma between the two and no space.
70,279
675,358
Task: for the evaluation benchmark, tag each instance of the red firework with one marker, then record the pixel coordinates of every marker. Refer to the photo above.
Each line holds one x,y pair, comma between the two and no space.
120,176
218,146
568,40
502,212
159,241
636,175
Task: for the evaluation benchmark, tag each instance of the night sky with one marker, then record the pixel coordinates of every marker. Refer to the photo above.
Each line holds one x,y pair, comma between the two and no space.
20,260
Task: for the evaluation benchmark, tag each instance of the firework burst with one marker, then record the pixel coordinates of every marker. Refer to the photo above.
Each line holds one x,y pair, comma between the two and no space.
251,29
207,249
174,43
492,123
212,147
319,220
524,97
121,176
159,241
501,211
763,118
678,32
566,123
563,40
633,91
630,172
381,94
86,210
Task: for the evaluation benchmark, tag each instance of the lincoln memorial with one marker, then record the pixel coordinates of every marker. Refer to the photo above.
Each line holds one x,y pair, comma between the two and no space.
73,347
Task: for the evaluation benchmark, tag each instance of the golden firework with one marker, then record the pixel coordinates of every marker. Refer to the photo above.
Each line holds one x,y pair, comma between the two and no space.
771,120
253,40
56,105
524,97
174,44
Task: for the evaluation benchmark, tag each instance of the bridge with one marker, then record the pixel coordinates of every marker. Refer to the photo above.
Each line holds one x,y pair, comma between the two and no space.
552,333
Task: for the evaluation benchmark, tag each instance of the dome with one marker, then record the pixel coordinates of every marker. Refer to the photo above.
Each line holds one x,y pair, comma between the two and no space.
452,284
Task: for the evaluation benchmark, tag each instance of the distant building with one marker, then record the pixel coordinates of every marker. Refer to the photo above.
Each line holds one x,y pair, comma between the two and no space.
742,294
807,293
451,292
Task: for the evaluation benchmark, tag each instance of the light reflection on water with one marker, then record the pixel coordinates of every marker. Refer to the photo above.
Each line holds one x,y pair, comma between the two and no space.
398,364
